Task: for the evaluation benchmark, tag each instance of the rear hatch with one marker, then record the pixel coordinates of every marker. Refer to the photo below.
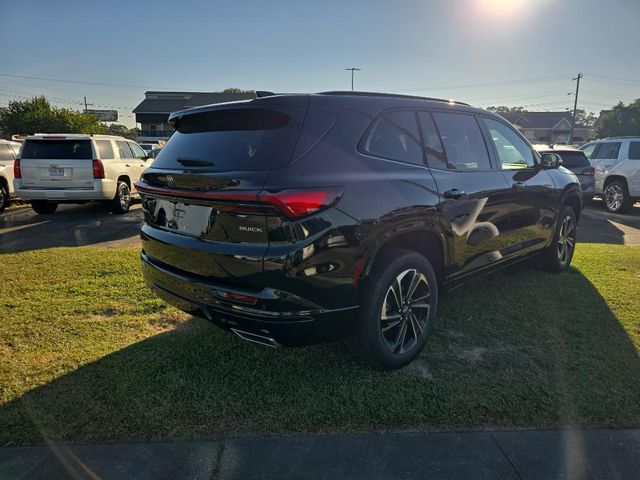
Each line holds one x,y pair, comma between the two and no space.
202,215
57,162
578,163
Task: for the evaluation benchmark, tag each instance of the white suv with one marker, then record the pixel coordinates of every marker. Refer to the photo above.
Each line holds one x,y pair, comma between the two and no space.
617,164
8,154
73,168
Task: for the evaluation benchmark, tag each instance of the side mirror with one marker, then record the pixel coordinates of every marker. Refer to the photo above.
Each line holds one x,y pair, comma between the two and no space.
551,160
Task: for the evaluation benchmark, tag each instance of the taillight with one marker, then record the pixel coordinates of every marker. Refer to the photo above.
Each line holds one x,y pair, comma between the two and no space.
588,171
98,169
16,168
298,203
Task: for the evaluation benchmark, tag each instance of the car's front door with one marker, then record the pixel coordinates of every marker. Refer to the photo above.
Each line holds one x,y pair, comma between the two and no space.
533,197
474,196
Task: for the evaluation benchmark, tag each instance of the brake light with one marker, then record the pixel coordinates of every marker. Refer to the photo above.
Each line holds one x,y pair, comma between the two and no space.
588,171
16,168
98,169
298,203
238,297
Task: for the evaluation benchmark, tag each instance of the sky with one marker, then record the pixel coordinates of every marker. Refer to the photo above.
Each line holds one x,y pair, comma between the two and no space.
484,52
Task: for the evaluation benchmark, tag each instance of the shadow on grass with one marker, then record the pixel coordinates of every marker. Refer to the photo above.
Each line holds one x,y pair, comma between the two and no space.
519,348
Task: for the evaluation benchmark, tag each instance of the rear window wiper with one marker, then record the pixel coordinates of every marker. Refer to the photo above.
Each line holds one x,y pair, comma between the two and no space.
189,162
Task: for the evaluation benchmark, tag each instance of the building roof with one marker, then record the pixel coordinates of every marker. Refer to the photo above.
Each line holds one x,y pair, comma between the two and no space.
538,119
167,102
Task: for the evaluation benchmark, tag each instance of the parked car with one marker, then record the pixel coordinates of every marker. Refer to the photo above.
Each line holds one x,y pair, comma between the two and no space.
617,164
296,219
150,148
576,161
65,168
8,153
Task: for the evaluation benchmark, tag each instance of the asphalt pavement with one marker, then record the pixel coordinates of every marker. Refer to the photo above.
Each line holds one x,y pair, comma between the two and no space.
524,455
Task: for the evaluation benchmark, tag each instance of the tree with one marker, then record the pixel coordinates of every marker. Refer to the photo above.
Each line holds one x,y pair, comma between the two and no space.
122,131
585,119
502,109
621,120
38,116
237,90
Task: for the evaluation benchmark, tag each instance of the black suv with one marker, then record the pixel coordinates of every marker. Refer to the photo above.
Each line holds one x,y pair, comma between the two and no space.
297,219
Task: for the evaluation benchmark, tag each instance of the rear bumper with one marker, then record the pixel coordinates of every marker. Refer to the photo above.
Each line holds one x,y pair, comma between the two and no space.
285,318
103,189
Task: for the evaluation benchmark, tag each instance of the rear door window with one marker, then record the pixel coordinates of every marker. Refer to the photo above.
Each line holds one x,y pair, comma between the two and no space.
432,144
634,150
463,142
125,151
607,150
244,139
105,150
57,149
6,153
395,136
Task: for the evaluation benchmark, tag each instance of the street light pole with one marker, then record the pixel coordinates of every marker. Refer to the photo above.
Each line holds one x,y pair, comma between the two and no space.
353,69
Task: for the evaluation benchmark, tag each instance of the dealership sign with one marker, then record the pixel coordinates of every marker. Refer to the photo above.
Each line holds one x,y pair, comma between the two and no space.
104,115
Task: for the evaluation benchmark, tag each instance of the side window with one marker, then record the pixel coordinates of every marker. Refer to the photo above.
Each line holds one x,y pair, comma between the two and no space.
463,142
16,149
125,151
395,136
513,152
6,153
634,151
607,150
589,149
138,152
432,144
105,150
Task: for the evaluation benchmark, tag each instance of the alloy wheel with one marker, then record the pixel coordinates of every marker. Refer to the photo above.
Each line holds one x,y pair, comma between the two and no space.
405,311
614,197
566,239
125,196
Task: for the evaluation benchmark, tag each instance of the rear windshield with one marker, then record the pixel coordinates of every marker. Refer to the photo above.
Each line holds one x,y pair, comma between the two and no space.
226,140
57,149
574,159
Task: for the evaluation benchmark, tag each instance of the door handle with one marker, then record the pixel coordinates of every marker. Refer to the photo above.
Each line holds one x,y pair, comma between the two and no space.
519,185
454,193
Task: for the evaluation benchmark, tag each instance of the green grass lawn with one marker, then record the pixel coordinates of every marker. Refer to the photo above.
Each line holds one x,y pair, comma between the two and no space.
88,354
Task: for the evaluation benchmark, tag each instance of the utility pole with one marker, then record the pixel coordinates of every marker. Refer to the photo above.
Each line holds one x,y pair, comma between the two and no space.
575,107
353,69
85,104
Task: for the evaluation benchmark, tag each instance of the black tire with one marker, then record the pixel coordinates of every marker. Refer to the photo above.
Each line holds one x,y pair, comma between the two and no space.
378,332
616,197
557,256
44,207
5,200
122,200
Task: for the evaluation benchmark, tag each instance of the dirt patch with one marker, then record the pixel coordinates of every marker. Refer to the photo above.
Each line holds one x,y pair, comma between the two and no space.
170,321
419,368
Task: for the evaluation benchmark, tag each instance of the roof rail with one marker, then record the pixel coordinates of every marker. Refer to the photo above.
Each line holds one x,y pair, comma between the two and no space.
390,95
264,93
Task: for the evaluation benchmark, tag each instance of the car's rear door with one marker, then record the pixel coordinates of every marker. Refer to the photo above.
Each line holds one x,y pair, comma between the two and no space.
604,159
632,170
533,198
474,196
57,162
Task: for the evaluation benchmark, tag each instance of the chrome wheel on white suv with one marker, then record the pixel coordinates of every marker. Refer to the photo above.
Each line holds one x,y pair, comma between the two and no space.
616,198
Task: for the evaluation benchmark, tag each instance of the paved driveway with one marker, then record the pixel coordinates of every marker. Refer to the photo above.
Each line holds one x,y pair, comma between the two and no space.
93,224
72,225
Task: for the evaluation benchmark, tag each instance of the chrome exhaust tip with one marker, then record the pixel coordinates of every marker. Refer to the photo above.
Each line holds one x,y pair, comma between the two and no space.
254,337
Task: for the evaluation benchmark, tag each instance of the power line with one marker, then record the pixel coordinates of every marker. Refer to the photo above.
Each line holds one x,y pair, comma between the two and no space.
489,84
614,79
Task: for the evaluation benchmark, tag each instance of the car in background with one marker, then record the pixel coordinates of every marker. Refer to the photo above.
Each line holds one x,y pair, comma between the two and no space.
297,219
8,153
575,160
617,164
78,168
